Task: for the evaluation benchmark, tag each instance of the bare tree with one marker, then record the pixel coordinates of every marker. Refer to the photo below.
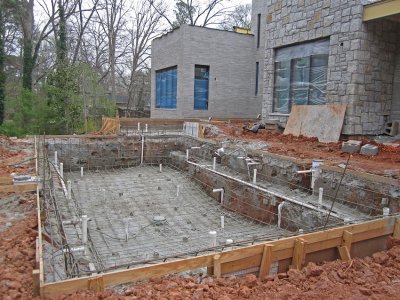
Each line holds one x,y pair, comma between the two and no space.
146,26
194,12
112,20
240,16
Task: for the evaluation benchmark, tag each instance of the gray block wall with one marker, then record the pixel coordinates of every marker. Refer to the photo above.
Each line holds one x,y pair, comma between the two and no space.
232,72
361,56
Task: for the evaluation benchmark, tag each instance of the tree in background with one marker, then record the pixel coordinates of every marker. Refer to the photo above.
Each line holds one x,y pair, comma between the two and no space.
240,16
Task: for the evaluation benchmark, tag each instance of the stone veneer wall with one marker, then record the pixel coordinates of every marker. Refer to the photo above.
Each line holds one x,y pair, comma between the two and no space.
361,56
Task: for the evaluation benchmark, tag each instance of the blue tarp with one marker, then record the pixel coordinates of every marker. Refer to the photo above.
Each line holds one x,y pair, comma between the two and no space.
166,88
201,94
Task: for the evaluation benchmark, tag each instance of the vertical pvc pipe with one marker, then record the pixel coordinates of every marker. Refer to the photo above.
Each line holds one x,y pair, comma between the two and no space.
69,189
187,154
177,190
146,128
214,163
81,171
255,176
213,238
138,126
320,195
160,168
62,170
222,222
228,244
84,229
126,223
55,158
386,211
142,152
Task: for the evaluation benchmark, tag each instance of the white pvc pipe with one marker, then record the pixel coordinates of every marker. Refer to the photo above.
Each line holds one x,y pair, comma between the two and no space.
75,249
213,238
55,158
84,229
177,190
320,195
138,126
255,176
228,243
214,163
280,206
69,189
273,193
160,168
142,152
386,211
81,171
187,154
222,222
126,223
220,190
62,170
146,128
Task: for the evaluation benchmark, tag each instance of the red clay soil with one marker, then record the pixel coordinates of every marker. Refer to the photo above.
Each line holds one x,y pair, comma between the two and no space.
376,277
386,163
13,152
17,258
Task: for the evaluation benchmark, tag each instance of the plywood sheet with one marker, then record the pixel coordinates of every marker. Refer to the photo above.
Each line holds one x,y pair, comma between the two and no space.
322,121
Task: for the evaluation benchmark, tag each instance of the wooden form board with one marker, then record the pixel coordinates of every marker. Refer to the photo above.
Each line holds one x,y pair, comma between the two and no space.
322,121
7,180
18,188
234,260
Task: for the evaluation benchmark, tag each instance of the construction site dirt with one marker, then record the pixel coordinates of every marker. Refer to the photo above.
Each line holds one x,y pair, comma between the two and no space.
375,277
386,163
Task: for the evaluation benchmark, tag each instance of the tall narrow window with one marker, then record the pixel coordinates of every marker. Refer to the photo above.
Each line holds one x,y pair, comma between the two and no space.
258,29
300,75
257,70
166,80
201,75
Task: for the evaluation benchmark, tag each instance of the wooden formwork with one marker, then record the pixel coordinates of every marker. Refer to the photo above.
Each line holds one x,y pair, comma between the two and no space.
287,252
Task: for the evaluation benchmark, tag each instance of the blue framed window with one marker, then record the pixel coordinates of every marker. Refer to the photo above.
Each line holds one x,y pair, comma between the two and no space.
166,81
201,80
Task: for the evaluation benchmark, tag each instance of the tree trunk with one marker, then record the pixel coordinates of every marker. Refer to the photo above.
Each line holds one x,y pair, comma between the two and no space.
27,27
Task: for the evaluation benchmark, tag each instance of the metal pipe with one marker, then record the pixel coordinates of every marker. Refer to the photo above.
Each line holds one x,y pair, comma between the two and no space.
220,190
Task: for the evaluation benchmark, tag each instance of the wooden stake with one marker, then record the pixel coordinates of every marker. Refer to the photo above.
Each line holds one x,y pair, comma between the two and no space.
299,253
265,261
345,246
36,282
396,230
217,266
96,284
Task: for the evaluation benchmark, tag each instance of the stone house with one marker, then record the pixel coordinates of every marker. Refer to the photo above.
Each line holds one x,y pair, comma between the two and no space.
301,52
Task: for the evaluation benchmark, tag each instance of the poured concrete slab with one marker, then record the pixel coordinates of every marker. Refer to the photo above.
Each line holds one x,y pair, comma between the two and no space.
322,121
